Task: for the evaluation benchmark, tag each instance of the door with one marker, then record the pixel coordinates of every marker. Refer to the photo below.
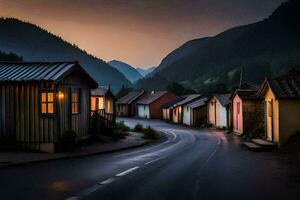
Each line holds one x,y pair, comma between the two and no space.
270,121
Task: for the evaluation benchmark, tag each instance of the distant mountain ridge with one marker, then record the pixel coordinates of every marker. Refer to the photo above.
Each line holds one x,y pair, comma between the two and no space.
145,72
36,44
266,48
128,71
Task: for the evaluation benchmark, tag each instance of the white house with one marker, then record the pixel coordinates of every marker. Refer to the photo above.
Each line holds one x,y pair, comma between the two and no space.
195,113
219,110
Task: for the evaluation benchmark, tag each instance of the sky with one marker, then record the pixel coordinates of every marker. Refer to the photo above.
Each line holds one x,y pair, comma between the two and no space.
138,32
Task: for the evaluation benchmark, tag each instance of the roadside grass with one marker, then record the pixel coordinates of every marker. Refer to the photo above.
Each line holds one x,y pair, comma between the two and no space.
148,132
120,130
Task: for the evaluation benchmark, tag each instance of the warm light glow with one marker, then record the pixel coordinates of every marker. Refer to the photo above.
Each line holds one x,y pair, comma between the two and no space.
61,95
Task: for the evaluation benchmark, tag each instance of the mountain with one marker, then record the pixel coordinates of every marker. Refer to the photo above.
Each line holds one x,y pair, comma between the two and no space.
267,48
36,44
145,72
128,71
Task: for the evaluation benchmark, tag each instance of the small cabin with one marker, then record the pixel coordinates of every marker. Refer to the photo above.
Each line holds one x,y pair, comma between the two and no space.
40,101
282,107
102,99
195,113
178,114
127,105
218,110
149,106
247,111
167,108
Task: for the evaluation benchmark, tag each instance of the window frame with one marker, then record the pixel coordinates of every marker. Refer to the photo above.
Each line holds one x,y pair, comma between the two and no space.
41,102
76,102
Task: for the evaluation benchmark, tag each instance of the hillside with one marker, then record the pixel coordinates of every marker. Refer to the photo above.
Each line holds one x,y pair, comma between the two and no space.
36,44
145,72
128,71
266,48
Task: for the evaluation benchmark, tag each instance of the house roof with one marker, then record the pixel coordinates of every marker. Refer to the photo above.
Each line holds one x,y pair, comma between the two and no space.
198,103
100,91
283,87
187,99
130,97
151,97
169,104
40,71
224,99
247,94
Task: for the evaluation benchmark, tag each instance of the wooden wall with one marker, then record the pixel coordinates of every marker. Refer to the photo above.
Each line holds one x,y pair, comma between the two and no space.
20,114
21,118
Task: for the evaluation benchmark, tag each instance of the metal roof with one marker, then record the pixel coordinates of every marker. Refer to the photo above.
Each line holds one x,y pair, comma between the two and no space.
171,103
188,99
224,99
100,91
130,97
198,103
151,97
39,71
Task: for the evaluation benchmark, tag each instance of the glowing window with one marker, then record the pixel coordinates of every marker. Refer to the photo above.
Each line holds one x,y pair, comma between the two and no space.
75,101
47,102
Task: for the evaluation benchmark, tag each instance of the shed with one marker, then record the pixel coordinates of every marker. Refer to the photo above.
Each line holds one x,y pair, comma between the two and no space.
126,106
195,113
150,105
178,114
219,110
39,101
282,107
167,108
247,111
103,99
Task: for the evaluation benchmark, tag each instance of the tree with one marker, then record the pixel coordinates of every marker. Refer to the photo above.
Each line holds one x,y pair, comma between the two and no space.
123,91
179,90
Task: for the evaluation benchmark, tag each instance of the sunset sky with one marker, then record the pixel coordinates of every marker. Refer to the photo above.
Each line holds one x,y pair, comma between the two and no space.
139,32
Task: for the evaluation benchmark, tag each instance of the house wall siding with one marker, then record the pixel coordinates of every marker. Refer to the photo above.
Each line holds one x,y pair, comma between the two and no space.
289,121
155,107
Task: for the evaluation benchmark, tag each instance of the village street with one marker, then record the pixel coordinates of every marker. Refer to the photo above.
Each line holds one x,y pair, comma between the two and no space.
188,164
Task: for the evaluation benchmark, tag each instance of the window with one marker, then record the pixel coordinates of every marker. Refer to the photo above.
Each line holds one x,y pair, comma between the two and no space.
75,101
47,102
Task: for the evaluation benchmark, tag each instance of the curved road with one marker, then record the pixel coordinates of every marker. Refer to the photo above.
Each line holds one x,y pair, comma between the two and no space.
189,164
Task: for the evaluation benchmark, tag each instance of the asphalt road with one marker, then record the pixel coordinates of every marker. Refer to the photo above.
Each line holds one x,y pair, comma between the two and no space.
189,164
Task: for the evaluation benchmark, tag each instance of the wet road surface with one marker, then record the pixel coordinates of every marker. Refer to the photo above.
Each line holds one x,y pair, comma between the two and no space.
188,164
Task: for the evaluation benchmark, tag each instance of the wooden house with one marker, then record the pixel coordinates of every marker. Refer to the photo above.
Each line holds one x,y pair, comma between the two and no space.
282,108
247,111
218,110
126,106
39,102
167,108
103,99
195,113
149,106
178,114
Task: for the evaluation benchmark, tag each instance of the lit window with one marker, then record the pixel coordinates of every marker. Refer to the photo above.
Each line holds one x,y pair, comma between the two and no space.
47,102
75,101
